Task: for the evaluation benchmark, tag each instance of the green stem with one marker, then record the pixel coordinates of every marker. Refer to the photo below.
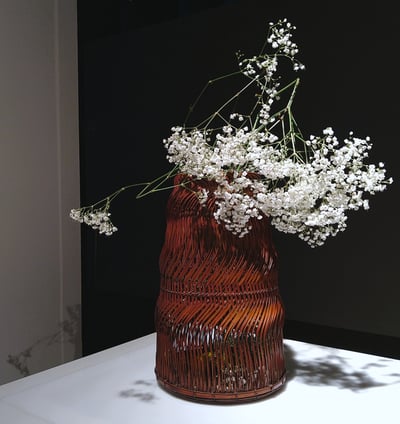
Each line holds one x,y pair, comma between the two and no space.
210,82
158,182
208,120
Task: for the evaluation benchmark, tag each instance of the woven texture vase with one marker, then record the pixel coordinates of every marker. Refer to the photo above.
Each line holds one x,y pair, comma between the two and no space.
219,316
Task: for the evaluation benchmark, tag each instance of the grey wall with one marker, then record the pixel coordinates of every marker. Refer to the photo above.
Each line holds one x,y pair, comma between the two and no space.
39,184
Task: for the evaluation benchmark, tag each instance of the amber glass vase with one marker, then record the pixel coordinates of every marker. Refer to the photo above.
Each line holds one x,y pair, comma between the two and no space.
219,316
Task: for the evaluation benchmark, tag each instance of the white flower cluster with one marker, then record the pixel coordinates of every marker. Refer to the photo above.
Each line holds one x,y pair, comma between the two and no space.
98,219
280,37
307,198
280,40
264,166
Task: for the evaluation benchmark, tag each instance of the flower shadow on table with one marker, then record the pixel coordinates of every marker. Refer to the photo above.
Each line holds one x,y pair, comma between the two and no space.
331,369
142,390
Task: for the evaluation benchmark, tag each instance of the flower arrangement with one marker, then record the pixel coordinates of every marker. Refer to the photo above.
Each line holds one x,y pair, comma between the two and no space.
305,185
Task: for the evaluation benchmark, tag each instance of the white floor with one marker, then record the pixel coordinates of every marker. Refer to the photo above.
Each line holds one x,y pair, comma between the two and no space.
118,385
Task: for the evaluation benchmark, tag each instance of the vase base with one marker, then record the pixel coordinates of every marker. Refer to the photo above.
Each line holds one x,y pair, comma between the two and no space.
207,397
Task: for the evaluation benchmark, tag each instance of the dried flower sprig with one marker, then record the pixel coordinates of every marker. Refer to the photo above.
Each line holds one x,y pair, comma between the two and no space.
306,186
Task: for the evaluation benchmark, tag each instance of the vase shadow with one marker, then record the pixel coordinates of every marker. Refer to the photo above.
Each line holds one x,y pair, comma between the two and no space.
331,369
328,368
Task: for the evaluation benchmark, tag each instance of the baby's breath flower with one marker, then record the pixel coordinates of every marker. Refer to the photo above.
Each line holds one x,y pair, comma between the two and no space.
305,185
98,219
203,196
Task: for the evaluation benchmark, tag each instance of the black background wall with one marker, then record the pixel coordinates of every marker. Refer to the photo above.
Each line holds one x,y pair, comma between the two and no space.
141,64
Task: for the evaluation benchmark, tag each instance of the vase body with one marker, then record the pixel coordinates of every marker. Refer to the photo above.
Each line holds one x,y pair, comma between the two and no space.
219,316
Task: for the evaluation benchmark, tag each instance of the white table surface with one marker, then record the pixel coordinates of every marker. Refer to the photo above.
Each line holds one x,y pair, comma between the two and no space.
118,385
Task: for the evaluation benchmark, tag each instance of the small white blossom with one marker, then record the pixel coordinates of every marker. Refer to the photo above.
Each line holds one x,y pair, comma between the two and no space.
203,196
98,219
